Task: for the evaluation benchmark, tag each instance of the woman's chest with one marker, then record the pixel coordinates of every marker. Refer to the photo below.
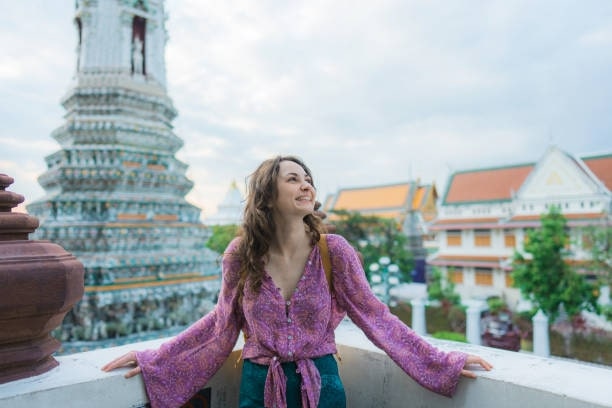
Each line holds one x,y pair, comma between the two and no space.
309,305
286,273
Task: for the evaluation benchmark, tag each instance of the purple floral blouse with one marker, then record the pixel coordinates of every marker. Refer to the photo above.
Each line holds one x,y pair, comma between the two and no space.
295,330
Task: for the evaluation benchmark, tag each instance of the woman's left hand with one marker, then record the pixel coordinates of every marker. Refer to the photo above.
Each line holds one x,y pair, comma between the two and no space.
126,360
472,359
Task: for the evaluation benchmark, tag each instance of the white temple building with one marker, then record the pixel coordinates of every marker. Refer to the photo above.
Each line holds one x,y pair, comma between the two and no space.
230,210
486,214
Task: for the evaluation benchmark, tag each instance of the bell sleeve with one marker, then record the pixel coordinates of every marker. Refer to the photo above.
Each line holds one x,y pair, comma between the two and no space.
434,369
180,367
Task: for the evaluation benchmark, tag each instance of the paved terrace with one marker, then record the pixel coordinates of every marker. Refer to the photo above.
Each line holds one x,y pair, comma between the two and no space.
372,380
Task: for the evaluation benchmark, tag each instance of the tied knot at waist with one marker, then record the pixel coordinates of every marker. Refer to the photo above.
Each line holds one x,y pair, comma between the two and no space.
275,391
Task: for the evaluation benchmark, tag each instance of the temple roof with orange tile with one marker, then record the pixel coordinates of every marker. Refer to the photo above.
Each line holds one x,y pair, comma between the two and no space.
500,223
466,223
492,184
486,261
601,166
569,216
500,183
467,220
386,201
469,260
372,197
478,258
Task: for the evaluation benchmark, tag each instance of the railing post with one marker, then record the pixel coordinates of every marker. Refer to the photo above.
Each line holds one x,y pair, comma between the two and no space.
541,342
473,324
418,316
604,295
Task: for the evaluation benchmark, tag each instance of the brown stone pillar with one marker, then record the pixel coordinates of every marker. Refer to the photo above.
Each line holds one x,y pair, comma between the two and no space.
39,284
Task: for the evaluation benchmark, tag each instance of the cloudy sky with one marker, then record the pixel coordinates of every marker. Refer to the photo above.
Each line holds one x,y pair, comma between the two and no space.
367,92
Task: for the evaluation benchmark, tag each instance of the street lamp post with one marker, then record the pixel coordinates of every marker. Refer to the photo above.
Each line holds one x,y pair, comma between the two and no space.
386,273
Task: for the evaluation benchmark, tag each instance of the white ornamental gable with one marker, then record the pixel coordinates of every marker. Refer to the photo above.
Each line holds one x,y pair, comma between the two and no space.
557,175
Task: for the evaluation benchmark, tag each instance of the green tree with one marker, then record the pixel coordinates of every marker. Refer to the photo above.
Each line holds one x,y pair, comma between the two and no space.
598,241
375,237
544,276
221,237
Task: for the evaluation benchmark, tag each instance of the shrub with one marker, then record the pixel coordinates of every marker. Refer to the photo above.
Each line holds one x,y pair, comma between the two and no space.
496,305
606,311
453,336
457,318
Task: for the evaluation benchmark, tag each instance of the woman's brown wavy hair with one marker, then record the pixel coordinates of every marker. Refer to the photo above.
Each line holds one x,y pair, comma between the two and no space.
258,226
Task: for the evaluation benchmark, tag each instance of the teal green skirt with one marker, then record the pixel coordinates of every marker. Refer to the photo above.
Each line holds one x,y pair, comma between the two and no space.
254,380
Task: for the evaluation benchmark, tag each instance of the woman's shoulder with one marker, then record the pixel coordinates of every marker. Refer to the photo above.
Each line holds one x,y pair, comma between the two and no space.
231,253
341,249
337,242
232,247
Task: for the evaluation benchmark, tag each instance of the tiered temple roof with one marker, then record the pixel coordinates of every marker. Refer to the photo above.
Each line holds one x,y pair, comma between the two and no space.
388,201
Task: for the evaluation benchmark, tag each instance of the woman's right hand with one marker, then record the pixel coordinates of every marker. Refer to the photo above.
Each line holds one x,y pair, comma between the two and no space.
126,360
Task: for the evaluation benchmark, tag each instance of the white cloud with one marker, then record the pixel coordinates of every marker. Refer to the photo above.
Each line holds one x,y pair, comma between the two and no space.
366,92
598,37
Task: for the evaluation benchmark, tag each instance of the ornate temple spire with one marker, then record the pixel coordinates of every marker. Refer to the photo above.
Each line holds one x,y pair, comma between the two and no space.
231,208
127,38
115,192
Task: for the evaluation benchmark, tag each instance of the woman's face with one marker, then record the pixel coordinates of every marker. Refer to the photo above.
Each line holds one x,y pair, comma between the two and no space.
295,193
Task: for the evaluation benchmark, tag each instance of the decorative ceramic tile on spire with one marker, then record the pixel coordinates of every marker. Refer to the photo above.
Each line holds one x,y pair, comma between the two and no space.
115,192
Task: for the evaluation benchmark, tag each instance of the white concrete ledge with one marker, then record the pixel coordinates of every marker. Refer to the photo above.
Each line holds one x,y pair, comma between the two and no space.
371,380
518,380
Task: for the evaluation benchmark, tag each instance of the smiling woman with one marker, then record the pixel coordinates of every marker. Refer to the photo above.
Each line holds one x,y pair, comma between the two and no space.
275,290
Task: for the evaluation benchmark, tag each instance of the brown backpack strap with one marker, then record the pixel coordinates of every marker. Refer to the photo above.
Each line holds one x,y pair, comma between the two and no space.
326,260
